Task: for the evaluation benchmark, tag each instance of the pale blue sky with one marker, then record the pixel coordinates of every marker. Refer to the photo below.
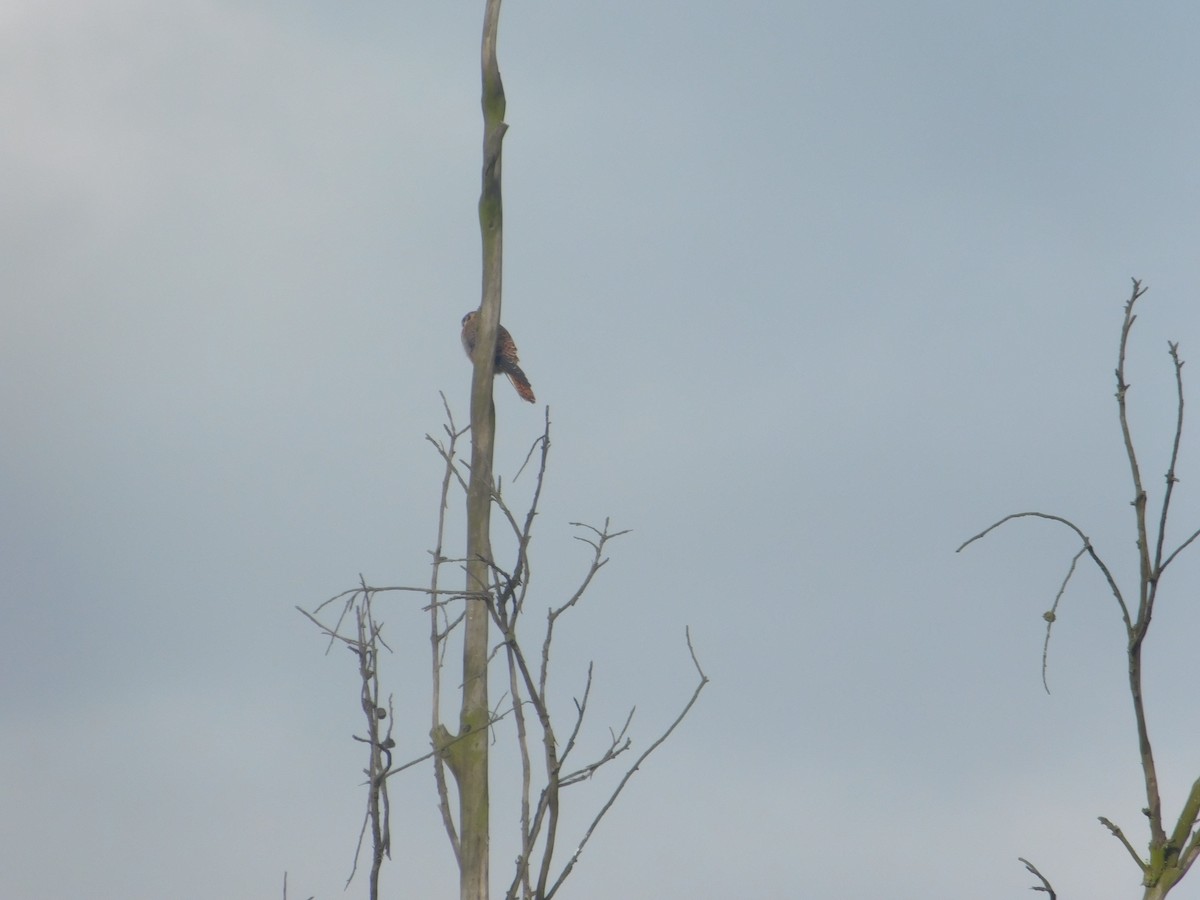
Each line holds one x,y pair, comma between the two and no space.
814,292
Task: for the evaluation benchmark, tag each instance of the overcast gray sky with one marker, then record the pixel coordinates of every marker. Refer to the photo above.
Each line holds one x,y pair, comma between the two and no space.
813,291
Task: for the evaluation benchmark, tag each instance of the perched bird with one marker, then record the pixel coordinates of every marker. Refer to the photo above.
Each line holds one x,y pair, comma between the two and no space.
506,354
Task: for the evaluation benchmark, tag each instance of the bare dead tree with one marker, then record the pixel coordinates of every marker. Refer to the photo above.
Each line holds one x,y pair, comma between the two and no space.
1171,854
546,749
491,595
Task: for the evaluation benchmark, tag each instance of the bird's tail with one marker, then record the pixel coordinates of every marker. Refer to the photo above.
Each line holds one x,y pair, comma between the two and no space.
520,382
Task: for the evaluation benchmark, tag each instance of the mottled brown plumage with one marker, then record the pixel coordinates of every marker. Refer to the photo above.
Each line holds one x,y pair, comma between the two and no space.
506,354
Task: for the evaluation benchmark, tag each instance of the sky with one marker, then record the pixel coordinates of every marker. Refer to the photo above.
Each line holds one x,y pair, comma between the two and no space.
813,292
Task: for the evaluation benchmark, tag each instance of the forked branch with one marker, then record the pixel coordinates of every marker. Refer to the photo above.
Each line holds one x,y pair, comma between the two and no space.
1169,858
1040,877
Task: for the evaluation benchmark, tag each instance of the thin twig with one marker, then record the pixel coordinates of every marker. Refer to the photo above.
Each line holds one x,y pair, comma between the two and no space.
619,742
1120,836
1139,493
598,562
629,774
527,838
580,713
1051,615
1147,585
1170,476
1195,534
1087,545
437,636
1042,878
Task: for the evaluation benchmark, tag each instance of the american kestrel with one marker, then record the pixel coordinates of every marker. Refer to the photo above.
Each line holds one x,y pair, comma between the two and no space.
506,354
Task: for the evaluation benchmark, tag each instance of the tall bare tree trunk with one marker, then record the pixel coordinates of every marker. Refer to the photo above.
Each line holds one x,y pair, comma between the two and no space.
473,723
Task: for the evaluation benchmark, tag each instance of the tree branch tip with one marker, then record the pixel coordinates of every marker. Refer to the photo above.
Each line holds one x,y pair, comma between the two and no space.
1046,887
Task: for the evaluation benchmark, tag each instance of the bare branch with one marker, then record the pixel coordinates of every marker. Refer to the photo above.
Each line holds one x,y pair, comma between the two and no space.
1189,855
1161,564
580,712
543,440
1051,615
1040,877
1120,835
703,680
1087,546
544,821
1178,550
1147,588
527,836
438,635
598,562
1171,479
619,742
517,584
331,632
1139,493
1184,832
365,645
